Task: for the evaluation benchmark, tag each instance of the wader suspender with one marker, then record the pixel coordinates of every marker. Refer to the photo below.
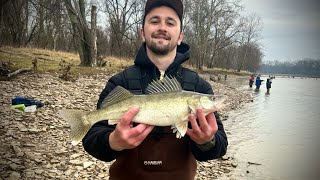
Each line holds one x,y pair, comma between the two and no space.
134,78
189,79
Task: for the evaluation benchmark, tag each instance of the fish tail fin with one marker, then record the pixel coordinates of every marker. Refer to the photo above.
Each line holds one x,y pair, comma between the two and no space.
79,125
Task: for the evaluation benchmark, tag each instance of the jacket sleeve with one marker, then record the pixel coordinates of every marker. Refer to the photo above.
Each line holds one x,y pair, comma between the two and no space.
96,141
221,141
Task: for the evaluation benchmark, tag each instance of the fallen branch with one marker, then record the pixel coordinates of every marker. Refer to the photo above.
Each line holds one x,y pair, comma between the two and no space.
19,71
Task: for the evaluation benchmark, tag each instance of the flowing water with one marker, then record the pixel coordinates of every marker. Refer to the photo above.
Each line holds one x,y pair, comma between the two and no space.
278,135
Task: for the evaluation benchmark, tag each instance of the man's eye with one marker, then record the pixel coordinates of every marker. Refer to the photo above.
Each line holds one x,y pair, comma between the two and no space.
154,21
171,23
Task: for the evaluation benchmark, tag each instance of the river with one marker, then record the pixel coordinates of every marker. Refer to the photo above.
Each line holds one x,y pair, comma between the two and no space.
277,136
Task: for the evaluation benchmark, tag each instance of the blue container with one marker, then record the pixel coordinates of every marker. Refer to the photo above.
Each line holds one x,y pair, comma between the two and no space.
26,101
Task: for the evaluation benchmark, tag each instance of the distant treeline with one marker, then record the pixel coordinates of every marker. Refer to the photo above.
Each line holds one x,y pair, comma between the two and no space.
308,67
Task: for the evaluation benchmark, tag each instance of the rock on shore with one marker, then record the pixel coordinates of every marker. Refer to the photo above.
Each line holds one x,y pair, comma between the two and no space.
37,145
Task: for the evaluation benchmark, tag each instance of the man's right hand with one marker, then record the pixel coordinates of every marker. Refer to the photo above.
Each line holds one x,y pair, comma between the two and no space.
127,137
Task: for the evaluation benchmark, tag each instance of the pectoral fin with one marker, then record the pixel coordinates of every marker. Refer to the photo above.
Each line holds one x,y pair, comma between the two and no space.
180,129
192,109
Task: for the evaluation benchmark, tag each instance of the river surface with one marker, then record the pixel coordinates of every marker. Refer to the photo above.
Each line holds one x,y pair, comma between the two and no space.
277,136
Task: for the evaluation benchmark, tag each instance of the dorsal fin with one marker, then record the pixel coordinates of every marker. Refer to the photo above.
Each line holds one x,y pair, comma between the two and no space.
117,94
167,84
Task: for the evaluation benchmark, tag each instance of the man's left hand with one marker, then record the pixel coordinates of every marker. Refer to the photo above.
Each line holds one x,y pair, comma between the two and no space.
206,129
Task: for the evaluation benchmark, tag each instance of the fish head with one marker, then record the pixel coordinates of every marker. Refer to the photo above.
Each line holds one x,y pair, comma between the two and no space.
211,103
207,103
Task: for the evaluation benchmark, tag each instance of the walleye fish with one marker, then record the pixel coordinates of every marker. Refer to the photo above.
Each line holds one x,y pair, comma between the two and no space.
165,104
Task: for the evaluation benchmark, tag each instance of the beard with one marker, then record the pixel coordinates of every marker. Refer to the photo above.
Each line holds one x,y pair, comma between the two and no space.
160,49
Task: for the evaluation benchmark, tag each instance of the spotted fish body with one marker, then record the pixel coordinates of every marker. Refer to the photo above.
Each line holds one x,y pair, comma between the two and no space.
165,104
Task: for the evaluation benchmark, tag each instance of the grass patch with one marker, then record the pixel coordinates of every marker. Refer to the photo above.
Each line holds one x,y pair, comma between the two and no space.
48,61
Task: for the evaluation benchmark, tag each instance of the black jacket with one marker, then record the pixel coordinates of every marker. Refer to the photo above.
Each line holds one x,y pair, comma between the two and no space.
96,141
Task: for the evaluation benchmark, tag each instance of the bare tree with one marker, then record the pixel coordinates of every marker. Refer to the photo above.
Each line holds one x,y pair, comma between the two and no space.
94,35
225,29
124,18
248,38
77,16
226,58
198,23
14,22
35,23
2,3
211,26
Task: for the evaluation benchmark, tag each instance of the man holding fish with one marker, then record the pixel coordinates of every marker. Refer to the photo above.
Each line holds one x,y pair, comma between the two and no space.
155,118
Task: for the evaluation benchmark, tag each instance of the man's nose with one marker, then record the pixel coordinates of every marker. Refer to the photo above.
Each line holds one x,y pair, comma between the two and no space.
163,26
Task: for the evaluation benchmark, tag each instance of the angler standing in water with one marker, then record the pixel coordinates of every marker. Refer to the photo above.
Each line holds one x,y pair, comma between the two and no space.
258,82
251,80
144,151
268,85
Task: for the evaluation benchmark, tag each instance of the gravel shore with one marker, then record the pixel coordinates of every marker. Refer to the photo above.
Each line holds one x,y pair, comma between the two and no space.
37,146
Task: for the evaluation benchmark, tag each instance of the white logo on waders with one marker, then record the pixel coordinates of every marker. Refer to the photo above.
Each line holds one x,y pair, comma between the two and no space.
152,163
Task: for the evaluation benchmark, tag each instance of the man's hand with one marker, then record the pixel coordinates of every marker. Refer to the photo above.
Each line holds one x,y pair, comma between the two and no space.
127,137
205,131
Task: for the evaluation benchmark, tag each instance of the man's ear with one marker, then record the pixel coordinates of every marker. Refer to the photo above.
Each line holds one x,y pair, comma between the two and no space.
181,36
142,35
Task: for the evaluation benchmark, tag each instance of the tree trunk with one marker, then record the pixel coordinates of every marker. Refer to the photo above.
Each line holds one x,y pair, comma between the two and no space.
243,59
94,35
85,36
87,41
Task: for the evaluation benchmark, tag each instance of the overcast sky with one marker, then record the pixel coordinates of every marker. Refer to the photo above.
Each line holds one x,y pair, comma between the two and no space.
291,28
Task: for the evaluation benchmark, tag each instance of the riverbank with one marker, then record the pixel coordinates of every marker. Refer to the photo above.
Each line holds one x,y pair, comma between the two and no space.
37,146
